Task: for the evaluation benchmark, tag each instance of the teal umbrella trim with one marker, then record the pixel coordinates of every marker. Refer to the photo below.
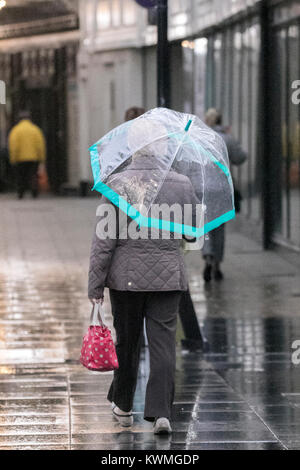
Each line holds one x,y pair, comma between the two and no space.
143,221
160,224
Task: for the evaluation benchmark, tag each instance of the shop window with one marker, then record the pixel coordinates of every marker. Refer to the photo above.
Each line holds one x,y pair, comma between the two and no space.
293,136
90,17
104,14
217,47
199,77
129,12
253,162
116,13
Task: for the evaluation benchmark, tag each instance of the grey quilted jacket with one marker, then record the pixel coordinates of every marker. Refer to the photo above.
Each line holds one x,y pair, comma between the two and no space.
142,265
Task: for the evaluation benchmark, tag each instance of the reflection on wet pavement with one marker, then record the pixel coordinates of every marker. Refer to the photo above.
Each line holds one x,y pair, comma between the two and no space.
244,394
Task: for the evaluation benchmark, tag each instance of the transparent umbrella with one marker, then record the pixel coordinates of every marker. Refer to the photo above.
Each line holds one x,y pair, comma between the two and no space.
171,141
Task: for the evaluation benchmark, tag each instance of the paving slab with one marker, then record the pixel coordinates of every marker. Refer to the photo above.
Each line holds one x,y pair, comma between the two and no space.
243,394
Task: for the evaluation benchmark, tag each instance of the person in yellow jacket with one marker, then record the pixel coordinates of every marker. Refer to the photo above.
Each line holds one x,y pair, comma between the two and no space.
27,149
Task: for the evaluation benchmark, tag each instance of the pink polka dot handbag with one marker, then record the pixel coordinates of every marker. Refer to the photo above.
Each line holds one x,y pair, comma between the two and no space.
98,352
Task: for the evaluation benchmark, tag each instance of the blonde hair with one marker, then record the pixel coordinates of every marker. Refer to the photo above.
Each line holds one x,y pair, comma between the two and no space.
212,117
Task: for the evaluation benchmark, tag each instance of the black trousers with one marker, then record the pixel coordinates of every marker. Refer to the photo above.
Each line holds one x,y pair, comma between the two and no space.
27,177
193,337
160,310
215,245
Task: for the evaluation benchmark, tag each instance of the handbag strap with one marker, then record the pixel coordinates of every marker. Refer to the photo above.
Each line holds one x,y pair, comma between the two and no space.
96,311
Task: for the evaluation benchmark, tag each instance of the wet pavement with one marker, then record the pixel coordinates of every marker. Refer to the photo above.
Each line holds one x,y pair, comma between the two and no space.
243,394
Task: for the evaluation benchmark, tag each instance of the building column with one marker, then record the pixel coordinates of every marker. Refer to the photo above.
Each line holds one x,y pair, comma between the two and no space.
265,138
84,120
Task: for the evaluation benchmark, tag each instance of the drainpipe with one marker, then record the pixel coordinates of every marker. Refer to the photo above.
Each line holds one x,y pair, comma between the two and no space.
163,56
265,125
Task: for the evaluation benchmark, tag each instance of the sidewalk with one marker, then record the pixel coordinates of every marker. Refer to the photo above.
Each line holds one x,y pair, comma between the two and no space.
245,394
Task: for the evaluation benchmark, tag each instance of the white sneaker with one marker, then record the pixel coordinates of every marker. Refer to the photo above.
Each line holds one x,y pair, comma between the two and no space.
162,426
125,418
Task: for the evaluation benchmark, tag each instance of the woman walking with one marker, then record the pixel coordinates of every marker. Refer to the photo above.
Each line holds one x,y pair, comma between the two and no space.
214,246
142,167
146,278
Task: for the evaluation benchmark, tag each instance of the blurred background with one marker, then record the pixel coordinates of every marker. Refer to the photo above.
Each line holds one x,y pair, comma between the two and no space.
78,65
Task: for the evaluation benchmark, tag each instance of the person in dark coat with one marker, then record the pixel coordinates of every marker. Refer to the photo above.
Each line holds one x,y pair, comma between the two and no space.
146,278
214,245
193,338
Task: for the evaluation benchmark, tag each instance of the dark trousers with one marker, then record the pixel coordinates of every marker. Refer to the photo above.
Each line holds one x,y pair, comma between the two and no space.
215,244
191,329
160,310
27,178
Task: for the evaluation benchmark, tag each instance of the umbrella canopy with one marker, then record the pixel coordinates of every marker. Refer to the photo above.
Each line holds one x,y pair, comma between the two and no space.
168,141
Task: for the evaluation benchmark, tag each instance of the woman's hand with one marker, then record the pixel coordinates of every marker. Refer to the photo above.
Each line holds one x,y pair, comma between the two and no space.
97,301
